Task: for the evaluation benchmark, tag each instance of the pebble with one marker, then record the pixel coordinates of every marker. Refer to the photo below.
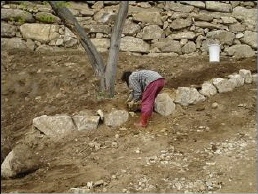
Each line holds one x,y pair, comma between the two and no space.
215,105
98,183
114,145
114,176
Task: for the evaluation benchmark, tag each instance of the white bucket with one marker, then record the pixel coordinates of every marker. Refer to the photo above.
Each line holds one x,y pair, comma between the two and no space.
214,52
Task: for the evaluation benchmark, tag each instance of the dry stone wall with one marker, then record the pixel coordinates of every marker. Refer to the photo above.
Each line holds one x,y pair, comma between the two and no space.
152,28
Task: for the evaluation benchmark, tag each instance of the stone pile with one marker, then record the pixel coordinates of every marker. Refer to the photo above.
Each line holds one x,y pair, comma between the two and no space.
190,95
168,28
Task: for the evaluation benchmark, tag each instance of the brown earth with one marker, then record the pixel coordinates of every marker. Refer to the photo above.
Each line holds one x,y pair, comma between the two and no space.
199,143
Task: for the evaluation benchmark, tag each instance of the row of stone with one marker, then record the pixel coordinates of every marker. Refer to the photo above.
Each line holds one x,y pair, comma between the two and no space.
168,28
165,105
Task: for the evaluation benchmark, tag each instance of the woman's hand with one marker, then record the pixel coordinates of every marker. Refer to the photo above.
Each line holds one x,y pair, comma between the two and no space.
134,105
130,97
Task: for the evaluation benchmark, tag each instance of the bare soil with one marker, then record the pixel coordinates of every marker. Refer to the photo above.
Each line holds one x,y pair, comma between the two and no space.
197,144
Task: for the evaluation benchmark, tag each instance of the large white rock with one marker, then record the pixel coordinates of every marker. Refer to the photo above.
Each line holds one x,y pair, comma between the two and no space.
240,51
86,122
54,126
187,95
40,32
164,104
20,160
208,89
6,167
247,75
116,118
255,78
102,44
237,80
129,43
223,85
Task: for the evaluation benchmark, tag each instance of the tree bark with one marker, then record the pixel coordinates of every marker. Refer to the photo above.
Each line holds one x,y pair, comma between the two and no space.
107,74
71,22
111,69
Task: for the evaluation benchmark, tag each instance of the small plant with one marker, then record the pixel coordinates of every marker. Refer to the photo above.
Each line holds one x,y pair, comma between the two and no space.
102,95
20,20
12,19
24,5
62,4
46,18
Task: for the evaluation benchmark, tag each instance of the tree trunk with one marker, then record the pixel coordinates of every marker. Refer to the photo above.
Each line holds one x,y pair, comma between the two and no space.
107,74
111,69
71,22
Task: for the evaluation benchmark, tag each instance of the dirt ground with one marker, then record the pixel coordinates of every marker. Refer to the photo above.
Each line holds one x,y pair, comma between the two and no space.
198,149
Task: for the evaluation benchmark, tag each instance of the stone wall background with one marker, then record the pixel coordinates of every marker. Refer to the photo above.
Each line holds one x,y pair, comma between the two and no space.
152,28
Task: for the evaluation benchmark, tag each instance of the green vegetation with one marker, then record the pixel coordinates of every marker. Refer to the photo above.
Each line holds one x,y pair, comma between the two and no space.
102,95
46,18
12,19
21,20
27,6
24,5
18,19
62,4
